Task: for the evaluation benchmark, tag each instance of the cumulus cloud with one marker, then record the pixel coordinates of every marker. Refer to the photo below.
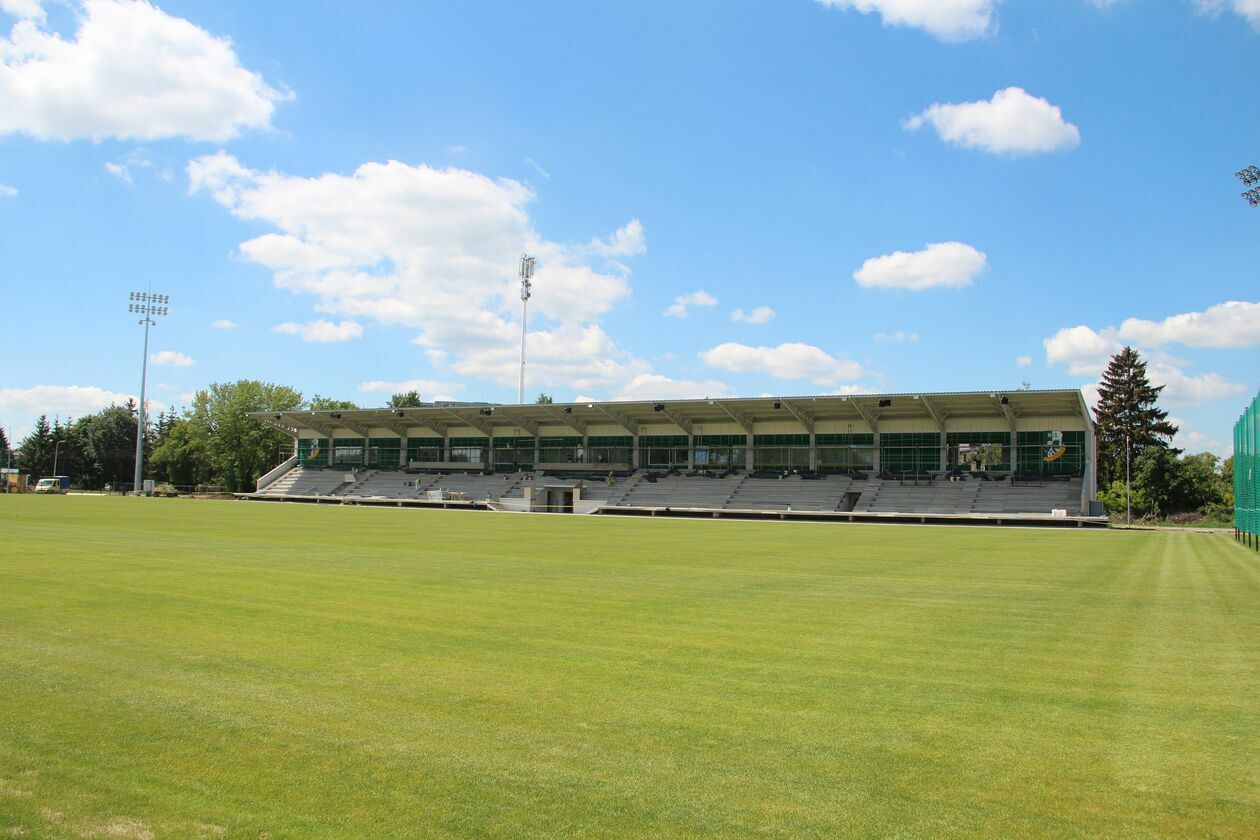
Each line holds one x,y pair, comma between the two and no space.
322,331
435,249
1023,361
791,360
223,324
7,192
758,315
170,358
23,9
1082,349
1086,352
20,407
1012,122
1247,9
131,72
654,386
678,309
944,264
899,335
1234,323
947,20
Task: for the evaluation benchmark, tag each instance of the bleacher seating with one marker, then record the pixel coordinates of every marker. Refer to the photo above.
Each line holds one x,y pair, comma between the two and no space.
987,494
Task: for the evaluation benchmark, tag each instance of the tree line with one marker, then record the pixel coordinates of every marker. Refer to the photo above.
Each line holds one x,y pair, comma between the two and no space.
212,443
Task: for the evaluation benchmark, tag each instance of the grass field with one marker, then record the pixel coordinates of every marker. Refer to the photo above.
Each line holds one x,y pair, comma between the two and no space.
181,668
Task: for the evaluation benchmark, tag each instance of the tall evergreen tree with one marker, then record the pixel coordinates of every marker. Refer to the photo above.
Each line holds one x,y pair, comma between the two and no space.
37,450
4,448
1128,415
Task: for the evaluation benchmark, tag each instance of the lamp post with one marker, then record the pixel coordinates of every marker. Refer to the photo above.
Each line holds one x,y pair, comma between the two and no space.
148,305
1128,503
56,452
526,273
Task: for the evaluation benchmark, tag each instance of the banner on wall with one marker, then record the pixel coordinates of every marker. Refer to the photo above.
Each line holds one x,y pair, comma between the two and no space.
1054,448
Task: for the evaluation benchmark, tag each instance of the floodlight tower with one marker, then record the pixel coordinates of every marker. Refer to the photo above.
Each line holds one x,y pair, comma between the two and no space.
1250,176
527,273
148,305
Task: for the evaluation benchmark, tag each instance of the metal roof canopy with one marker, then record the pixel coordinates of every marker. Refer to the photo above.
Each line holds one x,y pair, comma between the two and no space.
630,415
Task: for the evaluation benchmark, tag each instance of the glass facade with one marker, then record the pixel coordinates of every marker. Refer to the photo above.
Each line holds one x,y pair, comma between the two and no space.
780,453
384,452
566,449
979,451
425,449
610,449
720,452
1051,452
514,452
909,452
348,451
663,452
845,453
313,452
469,450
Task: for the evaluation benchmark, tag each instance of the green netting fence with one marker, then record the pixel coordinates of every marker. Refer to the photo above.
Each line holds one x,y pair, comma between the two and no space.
1247,475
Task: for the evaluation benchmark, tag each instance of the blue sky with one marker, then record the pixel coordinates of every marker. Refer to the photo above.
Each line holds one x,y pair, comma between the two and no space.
724,198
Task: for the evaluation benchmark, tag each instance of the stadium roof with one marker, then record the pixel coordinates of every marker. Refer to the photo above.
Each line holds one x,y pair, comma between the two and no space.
744,411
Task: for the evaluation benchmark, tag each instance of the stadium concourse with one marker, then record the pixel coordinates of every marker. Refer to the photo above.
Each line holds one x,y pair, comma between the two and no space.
1019,457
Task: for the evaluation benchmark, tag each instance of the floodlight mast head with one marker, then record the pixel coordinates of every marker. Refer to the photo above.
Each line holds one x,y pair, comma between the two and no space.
1250,176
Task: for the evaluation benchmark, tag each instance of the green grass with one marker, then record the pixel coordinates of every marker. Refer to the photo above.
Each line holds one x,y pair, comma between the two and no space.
181,668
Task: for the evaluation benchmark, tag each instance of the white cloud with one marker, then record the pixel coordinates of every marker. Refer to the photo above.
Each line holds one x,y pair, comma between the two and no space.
1194,441
138,158
947,20
899,335
1012,122
7,192
758,315
1086,352
131,71
23,9
1234,323
119,171
578,356
1083,350
223,324
791,360
1181,388
1248,9
678,309
1023,361
170,358
435,249
654,386
20,407
943,264
322,331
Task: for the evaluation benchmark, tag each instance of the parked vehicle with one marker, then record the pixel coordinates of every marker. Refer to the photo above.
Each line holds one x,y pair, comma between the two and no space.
53,484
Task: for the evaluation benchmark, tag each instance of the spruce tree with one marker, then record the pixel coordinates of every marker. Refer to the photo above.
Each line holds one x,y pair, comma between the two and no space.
1127,414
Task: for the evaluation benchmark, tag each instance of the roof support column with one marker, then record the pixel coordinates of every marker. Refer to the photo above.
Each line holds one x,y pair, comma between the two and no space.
813,451
749,458
634,451
944,460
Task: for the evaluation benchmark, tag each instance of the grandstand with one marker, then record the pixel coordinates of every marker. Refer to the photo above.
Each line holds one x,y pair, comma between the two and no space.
1247,476
1020,456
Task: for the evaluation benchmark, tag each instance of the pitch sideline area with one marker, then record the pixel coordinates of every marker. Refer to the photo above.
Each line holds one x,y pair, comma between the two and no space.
183,668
